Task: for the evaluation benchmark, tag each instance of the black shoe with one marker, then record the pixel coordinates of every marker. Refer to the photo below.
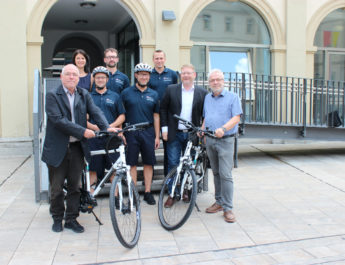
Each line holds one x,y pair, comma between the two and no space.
75,226
57,226
148,197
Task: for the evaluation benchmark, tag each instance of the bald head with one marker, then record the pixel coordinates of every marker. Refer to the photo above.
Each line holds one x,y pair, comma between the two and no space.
70,77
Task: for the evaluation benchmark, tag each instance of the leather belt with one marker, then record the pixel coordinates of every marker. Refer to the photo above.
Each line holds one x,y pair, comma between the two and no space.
183,131
228,136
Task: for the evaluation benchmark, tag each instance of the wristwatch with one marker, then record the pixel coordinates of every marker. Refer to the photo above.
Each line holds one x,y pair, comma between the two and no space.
223,128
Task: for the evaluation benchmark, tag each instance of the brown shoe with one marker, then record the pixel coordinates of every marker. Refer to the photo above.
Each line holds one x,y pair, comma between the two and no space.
169,202
214,208
229,217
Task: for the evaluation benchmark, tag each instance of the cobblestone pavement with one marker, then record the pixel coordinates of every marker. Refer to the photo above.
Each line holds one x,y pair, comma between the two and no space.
289,203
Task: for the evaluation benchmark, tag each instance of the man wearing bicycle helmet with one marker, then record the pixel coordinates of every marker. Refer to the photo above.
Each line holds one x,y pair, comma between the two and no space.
142,105
111,105
222,112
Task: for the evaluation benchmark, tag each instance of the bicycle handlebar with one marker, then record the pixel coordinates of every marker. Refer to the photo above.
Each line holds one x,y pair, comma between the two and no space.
134,127
191,126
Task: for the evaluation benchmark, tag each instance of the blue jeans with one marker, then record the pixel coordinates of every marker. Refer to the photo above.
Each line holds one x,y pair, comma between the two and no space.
176,148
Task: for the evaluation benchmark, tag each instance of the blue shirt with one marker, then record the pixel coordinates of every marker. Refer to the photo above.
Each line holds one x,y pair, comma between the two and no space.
219,110
159,82
140,106
117,82
85,82
110,103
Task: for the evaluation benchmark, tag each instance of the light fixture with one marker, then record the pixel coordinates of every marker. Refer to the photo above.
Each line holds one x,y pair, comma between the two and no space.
88,3
81,21
168,15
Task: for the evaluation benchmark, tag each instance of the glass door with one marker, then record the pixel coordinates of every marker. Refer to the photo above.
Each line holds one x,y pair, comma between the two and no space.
336,66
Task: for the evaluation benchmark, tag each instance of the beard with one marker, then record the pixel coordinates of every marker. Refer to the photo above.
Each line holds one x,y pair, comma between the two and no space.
100,87
141,84
217,90
111,65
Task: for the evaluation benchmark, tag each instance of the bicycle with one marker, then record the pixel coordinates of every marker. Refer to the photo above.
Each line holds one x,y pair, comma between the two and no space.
124,200
184,181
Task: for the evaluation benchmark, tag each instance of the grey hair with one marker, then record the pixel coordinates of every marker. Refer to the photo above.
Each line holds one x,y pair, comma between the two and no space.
215,71
63,68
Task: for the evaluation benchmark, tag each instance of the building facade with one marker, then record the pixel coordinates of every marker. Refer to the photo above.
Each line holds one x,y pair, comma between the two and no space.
299,38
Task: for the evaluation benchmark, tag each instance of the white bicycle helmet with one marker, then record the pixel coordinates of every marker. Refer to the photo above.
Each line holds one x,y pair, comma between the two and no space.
142,67
100,69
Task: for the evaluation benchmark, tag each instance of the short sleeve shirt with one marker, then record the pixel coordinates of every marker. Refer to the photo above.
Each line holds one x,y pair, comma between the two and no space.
219,110
110,103
140,106
118,82
160,81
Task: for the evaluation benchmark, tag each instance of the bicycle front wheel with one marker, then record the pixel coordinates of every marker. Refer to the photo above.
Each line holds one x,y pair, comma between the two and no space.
125,214
174,216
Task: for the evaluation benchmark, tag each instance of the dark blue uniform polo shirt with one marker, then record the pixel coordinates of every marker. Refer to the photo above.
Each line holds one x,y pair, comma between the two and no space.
110,103
118,82
140,106
159,82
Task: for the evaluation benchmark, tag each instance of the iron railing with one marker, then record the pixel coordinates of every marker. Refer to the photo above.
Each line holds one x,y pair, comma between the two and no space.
286,101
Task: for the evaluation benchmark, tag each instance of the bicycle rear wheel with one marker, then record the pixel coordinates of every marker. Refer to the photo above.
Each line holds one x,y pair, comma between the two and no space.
175,216
126,222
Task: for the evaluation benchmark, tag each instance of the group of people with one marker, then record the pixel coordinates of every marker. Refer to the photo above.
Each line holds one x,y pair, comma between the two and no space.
103,100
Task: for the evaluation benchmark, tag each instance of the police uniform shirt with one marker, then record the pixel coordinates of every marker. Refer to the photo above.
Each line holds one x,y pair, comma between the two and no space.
160,81
110,103
118,82
140,106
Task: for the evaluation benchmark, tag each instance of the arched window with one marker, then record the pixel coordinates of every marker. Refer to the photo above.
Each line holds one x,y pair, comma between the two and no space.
231,36
329,60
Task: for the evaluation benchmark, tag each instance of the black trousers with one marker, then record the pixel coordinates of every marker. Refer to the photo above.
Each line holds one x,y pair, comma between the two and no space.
71,169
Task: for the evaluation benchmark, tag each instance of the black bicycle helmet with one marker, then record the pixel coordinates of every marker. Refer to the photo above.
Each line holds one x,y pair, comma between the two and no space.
100,69
142,67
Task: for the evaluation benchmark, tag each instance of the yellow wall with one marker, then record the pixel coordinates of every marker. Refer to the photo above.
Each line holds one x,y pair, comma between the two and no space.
292,25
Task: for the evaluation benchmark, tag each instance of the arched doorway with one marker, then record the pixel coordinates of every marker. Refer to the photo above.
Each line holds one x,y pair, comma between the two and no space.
92,26
231,36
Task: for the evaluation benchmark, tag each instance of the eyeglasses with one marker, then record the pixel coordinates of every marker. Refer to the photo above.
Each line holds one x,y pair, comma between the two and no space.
111,57
216,79
100,77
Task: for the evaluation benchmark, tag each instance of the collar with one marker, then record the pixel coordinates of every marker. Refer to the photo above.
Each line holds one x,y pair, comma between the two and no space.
190,90
137,89
222,94
94,92
164,71
67,91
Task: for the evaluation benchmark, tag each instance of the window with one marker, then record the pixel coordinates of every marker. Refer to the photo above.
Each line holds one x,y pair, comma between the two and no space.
228,24
250,26
207,21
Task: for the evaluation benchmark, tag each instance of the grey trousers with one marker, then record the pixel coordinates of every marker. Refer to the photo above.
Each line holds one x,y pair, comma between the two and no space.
221,154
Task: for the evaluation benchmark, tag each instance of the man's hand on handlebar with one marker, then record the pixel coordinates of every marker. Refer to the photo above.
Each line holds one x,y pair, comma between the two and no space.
89,133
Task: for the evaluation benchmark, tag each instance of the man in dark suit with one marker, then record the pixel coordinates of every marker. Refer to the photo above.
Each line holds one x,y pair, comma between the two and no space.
65,145
187,101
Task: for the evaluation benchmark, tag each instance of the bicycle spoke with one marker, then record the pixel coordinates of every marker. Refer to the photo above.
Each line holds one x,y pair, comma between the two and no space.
126,222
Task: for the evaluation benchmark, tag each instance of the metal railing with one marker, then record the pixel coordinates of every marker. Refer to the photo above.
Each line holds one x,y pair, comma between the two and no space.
286,101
